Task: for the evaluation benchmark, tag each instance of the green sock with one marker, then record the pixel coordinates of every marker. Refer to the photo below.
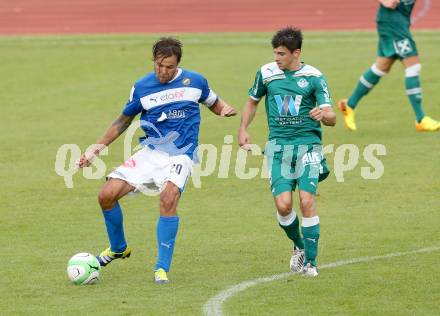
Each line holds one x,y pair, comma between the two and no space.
290,224
310,230
366,82
414,92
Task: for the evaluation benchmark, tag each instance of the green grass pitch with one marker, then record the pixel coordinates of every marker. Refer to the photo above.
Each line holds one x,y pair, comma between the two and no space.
66,90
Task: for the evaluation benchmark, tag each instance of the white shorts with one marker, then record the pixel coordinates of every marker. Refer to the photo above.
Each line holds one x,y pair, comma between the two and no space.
148,170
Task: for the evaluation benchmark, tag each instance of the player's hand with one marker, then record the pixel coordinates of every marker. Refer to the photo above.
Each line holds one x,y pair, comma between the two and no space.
316,114
82,162
228,111
91,153
244,140
85,160
390,4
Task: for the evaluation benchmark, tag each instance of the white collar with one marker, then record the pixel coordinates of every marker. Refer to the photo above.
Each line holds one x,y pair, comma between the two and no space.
179,72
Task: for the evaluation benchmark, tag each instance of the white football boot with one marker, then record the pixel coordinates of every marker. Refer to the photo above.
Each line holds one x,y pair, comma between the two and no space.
310,271
297,260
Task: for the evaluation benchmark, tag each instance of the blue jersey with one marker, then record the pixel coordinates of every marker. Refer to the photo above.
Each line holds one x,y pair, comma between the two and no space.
170,113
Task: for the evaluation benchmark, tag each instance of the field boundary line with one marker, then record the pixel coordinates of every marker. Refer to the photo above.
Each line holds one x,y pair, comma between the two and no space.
72,41
213,306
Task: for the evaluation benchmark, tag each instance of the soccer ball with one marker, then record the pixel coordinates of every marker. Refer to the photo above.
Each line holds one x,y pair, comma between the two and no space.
83,268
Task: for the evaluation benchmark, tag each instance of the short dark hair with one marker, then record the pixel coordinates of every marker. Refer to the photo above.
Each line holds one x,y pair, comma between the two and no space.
166,47
289,37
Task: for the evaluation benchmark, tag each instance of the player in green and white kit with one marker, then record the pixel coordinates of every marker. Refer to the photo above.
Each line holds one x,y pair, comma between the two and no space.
297,101
395,42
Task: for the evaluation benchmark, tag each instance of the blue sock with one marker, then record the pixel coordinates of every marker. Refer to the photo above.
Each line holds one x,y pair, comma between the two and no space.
115,228
166,235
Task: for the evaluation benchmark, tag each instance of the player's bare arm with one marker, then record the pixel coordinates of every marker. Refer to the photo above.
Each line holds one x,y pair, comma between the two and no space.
250,108
113,132
390,4
324,115
221,108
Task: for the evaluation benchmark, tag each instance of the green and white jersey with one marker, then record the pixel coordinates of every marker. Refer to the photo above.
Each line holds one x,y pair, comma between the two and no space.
401,15
290,95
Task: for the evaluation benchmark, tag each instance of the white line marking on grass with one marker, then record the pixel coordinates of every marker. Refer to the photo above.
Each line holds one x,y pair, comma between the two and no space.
213,306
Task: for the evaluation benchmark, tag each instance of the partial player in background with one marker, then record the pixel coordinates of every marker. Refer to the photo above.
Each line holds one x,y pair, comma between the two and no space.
395,42
297,101
168,101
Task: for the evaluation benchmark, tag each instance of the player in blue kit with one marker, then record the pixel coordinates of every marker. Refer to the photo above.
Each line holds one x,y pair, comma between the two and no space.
168,101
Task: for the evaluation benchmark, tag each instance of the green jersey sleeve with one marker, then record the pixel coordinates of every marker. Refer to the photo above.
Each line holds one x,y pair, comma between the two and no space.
321,92
258,89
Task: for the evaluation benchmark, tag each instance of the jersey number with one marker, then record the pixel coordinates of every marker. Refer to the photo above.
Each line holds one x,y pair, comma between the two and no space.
177,168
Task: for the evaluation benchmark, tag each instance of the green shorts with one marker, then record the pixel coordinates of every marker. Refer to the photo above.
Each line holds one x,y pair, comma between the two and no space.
297,165
395,41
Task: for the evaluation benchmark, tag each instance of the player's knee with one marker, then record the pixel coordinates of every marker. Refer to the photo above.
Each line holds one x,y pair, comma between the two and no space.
166,205
413,71
284,208
307,204
380,70
168,200
284,211
106,200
